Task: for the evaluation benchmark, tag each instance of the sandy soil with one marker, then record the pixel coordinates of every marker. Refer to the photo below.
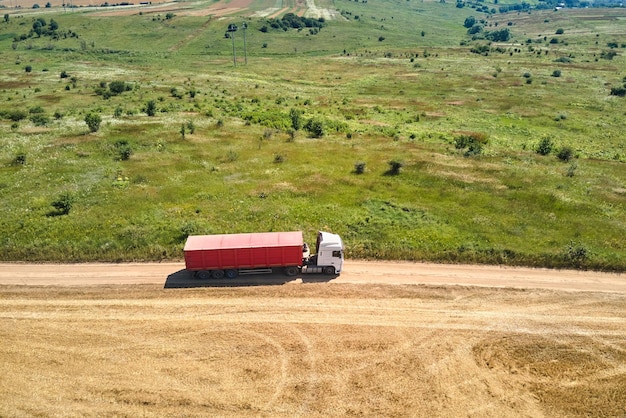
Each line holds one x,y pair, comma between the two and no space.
350,347
174,275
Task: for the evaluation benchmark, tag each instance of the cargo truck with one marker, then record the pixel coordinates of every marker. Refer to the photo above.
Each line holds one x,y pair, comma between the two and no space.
229,255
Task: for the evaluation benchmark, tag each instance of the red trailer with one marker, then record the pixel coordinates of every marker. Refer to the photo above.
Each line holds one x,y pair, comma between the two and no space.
216,256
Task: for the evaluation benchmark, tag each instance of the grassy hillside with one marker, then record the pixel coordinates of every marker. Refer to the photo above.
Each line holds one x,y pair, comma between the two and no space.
388,82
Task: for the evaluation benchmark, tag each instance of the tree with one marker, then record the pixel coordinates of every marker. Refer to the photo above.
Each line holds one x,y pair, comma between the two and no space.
117,87
93,121
474,30
38,26
469,22
6,17
296,119
501,35
151,108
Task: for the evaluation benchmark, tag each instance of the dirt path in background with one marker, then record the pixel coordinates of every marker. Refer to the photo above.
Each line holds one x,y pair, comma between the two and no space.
173,274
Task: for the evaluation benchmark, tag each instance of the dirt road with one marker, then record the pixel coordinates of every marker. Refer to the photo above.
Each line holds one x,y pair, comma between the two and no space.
173,275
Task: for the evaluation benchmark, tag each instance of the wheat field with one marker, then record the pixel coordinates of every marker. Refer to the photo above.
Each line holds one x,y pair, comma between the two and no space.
321,349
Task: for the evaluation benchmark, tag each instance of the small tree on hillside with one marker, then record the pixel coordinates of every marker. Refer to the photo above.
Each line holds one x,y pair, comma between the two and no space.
296,119
151,108
545,146
93,121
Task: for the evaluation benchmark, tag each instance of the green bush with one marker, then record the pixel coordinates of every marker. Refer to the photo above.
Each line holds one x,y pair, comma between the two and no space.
39,119
315,127
394,167
472,143
93,121
618,91
20,159
62,204
124,149
545,146
150,108
565,154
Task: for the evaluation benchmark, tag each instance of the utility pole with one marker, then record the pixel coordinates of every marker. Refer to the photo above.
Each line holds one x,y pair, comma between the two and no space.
232,28
244,26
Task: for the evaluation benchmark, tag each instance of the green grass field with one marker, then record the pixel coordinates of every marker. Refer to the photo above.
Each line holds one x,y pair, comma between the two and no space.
389,81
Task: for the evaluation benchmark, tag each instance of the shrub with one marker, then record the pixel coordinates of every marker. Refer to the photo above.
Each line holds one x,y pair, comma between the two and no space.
39,119
556,73
571,170
501,35
124,149
232,156
618,91
469,22
474,30
28,68
559,31
150,108
359,168
315,127
63,204
545,146
16,115
576,253
118,87
394,167
472,142
93,121
565,154
20,159
296,118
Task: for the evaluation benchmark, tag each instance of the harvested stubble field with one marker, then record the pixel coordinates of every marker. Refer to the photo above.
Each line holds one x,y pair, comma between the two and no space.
323,349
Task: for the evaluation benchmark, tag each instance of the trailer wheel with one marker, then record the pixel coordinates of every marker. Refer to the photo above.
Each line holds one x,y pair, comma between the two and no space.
203,275
330,270
231,274
217,274
291,271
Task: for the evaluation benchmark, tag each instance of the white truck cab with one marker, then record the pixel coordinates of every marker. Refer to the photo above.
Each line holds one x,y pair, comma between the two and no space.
329,249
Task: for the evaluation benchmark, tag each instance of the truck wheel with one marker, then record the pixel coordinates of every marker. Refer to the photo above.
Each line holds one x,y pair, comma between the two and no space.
291,271
231,274
330,270
217,274
203,275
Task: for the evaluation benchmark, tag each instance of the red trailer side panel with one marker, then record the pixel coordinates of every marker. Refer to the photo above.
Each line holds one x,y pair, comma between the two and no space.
235,251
